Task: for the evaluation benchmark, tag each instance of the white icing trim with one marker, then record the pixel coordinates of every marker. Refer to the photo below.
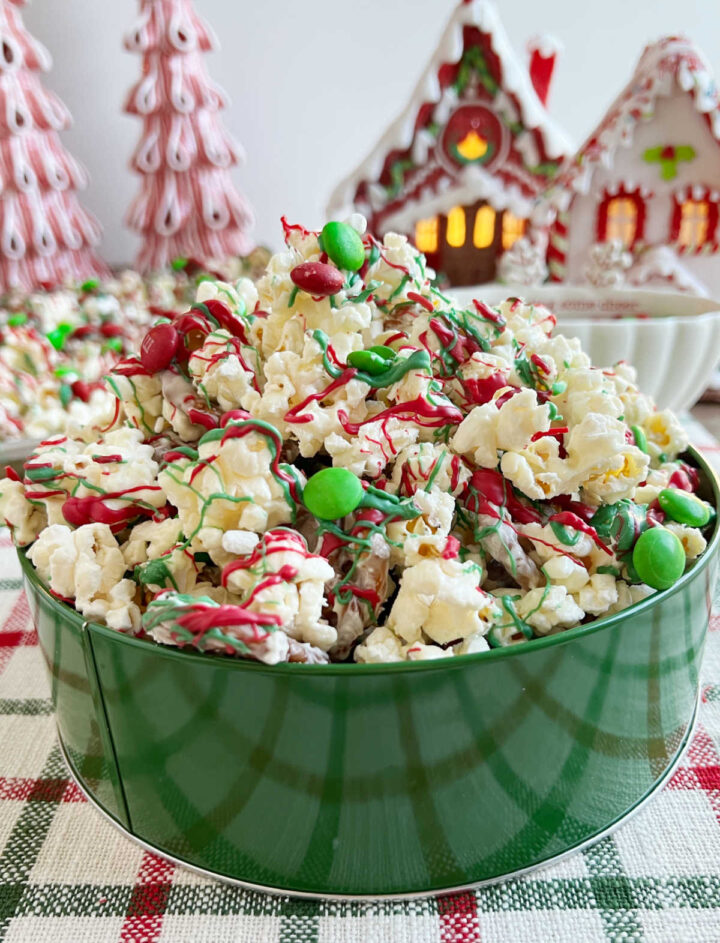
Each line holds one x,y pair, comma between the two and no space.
663,263
696,192
477,184
628,187
516,79
545,45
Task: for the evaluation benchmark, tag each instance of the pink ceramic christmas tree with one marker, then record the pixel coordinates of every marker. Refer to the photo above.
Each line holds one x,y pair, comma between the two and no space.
46,237
187,205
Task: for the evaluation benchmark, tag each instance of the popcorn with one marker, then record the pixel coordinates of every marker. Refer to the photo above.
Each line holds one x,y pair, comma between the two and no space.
599,462
279,577
564,571
223,369
628,594
234,484
488,429
139,398
382,645
341,464
588,391
87,565
156,555
423,464
442,601
292,397
549,608
424,535
664,433
24,519
690,537
374,446
598,595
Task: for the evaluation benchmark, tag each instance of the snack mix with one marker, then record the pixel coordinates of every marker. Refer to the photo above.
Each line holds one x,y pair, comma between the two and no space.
56,346
342,462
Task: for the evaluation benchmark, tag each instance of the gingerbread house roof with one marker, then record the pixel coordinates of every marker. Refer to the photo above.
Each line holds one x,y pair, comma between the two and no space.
669,63
474,79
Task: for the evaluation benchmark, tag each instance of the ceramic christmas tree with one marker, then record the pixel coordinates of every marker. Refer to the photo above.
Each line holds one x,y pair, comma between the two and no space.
187,205
46,237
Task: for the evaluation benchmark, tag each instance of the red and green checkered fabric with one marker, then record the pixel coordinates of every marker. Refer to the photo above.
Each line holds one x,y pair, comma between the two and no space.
67,876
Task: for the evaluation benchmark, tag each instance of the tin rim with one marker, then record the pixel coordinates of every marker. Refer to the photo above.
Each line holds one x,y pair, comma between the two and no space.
407,895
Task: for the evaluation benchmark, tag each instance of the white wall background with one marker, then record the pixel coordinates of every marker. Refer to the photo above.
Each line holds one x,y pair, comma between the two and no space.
314,82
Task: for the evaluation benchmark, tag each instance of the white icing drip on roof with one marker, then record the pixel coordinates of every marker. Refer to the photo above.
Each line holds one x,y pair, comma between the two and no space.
475,184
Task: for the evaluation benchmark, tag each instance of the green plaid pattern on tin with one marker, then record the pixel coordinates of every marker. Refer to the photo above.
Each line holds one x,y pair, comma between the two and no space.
68,876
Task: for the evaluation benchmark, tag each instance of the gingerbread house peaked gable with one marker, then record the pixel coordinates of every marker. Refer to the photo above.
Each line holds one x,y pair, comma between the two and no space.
462,166
640,202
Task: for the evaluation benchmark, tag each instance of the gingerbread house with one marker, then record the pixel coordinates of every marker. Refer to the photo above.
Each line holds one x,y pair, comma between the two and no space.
640,202
461,168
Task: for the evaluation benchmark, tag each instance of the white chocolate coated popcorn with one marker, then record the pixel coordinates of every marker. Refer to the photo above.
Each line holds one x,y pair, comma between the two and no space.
87,565
483,483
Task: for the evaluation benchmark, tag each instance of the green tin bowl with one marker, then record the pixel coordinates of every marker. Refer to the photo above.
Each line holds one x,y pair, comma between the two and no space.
380,780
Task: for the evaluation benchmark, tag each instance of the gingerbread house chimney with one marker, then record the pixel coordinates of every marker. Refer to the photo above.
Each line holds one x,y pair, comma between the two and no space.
543,51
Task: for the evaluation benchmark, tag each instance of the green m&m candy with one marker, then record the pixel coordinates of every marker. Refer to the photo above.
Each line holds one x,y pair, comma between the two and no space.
17,320
332,493
684,507
58,336
114,343
367,361
659,557
344,245
387,353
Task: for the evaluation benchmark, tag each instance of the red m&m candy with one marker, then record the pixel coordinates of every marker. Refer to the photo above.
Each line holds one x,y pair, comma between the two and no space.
159,347
317,278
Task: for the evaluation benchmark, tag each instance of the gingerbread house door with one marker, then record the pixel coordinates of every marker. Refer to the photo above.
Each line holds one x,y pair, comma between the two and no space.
469,243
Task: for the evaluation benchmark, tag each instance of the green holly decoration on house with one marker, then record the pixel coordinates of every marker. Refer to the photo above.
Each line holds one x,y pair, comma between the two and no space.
474,61
669,156
398,170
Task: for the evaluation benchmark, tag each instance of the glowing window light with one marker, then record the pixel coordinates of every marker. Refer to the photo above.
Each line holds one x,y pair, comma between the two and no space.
512,228
694,223
484,228
455,234
622,220
426,234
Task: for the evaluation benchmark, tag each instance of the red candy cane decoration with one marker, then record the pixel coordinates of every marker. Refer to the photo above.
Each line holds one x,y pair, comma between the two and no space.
187,204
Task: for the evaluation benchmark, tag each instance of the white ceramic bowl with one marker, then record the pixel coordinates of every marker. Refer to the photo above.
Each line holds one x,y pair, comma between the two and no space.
16,451
673,340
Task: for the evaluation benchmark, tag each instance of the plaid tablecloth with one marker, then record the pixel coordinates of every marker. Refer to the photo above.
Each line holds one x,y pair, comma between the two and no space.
67,876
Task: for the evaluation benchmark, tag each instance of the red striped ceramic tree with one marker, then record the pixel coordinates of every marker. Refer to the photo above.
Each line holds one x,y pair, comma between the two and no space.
187,205
46,237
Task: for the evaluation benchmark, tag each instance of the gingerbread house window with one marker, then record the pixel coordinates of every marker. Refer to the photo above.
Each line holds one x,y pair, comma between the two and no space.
426,235
513,227
455,232
621,217
695,219
484,227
